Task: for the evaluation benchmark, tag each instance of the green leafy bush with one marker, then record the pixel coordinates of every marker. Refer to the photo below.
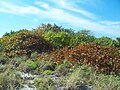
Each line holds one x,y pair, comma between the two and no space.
57,39
80,38
104,41
48,72
117,42
32,64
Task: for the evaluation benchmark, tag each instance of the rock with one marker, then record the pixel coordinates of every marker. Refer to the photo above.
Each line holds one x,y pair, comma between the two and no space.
26,87
13,62
54,78
1,67
61,88
48,67
28,81
83,87
27,70
27,76
3,61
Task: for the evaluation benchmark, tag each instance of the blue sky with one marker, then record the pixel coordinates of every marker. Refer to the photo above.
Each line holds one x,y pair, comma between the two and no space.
102,17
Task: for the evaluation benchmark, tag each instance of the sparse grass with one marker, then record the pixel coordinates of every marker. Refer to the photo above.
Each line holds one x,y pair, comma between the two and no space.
84,75
67,76
44,83
9,79
108,82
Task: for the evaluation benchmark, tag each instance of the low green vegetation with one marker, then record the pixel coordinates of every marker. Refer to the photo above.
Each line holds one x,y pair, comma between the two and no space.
53,58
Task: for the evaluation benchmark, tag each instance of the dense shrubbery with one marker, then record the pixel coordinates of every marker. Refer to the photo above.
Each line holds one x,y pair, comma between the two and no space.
57,39
3,42
117,42
80,38
104,41
58,59
56,35
105,59
47,36
24,42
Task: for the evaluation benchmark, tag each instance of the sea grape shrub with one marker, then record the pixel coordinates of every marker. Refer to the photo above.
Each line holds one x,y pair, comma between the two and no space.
24,43
104,59
104,41
3,42
57,39
79,38
117,42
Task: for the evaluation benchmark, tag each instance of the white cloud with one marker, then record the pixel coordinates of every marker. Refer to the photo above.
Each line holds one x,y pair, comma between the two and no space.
42,4
60,15
109,23
73,7
14,9
67,4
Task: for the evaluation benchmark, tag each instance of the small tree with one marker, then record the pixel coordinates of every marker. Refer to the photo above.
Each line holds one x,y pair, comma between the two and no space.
53,28
85,32
8,34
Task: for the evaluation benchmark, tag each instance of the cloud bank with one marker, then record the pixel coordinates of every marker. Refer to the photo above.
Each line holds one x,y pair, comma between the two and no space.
65,12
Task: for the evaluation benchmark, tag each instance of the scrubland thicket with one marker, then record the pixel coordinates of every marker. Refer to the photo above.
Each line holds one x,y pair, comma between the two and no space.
57,45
